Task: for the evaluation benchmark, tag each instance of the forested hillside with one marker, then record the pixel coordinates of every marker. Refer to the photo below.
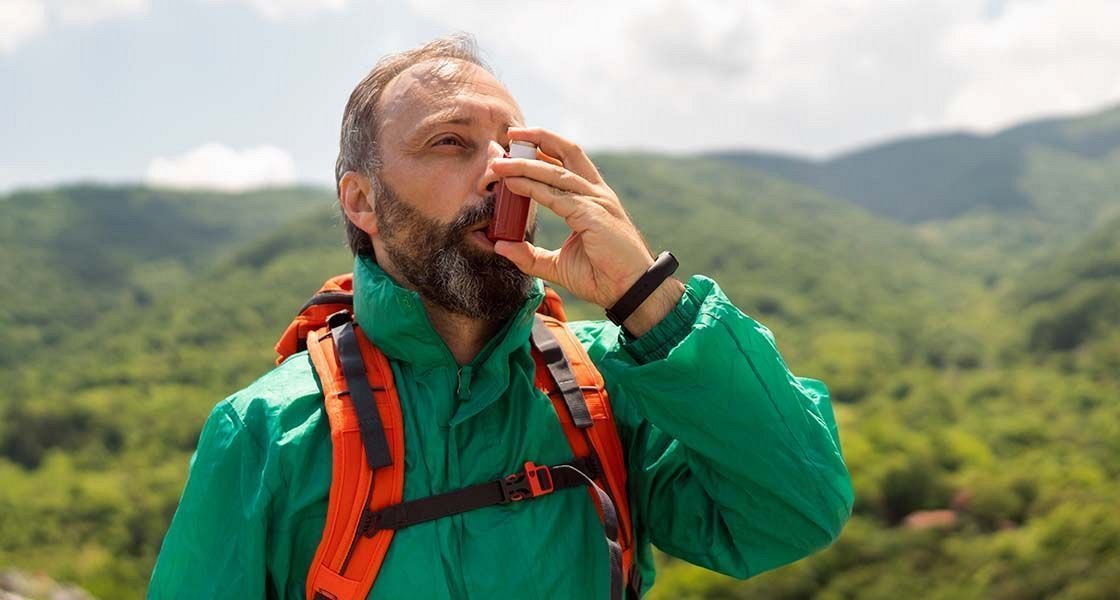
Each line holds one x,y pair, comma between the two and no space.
1073,302
76,254
943,176
974,359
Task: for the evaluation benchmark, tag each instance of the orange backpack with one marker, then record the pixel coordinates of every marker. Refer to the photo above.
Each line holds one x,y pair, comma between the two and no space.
367,438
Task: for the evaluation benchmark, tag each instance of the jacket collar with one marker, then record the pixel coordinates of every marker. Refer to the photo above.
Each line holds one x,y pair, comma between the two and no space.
394,319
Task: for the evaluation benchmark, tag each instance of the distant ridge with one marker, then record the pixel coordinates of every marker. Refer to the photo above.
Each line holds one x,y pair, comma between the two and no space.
941,176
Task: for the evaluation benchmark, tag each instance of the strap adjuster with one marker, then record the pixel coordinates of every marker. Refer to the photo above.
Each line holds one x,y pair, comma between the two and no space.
338,318
532,482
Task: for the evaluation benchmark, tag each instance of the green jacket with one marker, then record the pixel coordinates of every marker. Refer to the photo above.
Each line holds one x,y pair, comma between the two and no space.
734,463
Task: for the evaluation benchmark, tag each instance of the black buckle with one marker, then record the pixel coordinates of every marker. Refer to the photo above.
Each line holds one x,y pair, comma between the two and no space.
534,481
338,318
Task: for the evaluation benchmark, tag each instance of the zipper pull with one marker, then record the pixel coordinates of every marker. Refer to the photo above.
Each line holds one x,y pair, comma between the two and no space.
463,386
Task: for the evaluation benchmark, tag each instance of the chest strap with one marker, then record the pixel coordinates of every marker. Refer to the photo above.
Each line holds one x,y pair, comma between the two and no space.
532,482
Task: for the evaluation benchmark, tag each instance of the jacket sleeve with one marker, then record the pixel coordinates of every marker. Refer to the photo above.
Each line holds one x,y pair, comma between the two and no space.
734,463
215,547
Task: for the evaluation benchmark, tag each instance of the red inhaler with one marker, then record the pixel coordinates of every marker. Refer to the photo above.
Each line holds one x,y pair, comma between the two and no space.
511,211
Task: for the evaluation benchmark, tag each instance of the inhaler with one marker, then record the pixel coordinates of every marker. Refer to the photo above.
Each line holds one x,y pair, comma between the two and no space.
511,211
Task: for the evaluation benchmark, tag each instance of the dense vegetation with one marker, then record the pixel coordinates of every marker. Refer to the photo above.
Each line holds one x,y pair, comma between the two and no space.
974,359
74,255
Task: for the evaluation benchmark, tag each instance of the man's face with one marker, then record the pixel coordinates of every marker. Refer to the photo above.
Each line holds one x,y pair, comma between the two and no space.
442,125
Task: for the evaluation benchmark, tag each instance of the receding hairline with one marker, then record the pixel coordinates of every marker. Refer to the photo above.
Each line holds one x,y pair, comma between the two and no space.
444,77
446,73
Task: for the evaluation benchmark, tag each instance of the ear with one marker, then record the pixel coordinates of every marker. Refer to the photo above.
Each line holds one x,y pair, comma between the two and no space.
357,201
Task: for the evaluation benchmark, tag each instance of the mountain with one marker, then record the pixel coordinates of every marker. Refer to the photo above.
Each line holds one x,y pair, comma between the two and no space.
96,427
75,253
939,177
1072,301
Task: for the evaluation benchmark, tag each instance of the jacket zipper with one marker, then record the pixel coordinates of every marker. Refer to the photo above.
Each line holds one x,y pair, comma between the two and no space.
363,522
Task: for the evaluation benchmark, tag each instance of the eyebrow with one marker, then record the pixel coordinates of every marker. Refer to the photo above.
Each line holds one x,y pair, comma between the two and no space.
466,120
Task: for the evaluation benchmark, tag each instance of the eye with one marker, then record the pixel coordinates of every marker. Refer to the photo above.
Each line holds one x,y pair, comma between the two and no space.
448,140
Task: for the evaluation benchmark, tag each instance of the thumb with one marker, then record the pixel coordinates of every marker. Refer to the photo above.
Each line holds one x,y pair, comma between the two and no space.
530,259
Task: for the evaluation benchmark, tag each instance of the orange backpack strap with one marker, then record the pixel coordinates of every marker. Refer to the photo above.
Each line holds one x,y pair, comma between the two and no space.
367,439
335,295
552,305
578,393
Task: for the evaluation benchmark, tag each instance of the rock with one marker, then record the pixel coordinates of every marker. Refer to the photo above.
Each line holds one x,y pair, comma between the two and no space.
931,519
17,585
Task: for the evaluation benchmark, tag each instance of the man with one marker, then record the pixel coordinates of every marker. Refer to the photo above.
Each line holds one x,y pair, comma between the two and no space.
734,464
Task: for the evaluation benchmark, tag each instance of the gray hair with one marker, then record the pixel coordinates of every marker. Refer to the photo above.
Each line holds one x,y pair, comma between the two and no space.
358,147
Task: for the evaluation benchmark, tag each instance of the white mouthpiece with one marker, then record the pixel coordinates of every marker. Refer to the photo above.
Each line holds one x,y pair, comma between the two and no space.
520,149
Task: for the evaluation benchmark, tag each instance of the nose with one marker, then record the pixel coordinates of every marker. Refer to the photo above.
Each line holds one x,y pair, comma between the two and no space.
489,180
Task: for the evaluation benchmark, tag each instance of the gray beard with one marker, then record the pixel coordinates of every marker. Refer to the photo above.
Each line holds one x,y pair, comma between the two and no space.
442,264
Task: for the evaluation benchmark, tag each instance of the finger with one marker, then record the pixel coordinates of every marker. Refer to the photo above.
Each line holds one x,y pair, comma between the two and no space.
529,259
568,152
556,176
579,211
562,202
548,159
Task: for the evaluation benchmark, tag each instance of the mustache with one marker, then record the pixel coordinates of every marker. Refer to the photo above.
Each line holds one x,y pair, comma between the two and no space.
472,216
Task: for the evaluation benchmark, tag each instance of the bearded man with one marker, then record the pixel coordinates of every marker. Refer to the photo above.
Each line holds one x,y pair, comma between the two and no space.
730,461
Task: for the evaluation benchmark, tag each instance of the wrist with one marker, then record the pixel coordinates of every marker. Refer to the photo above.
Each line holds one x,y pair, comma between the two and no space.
655,307
648,285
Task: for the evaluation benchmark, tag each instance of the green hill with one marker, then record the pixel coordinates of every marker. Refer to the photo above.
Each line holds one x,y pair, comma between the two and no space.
939,177
76,253
1072,301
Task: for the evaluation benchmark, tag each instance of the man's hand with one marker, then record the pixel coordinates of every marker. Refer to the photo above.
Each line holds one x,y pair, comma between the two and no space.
605,253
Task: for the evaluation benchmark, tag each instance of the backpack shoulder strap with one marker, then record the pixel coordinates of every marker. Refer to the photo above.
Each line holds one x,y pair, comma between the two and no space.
367,474
552,305
578,393
335,295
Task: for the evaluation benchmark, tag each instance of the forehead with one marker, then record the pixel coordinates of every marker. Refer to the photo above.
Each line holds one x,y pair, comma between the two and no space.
444,90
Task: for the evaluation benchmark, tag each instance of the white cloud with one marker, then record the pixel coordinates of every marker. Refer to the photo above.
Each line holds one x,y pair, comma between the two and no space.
214,165
657,74
811,76
800,75
1040,56
85,12
278,10
20,20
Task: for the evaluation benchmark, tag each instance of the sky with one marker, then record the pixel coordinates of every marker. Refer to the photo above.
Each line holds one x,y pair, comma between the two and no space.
235,94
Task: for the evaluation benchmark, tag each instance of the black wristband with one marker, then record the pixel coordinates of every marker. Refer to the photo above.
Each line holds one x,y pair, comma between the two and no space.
665,265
